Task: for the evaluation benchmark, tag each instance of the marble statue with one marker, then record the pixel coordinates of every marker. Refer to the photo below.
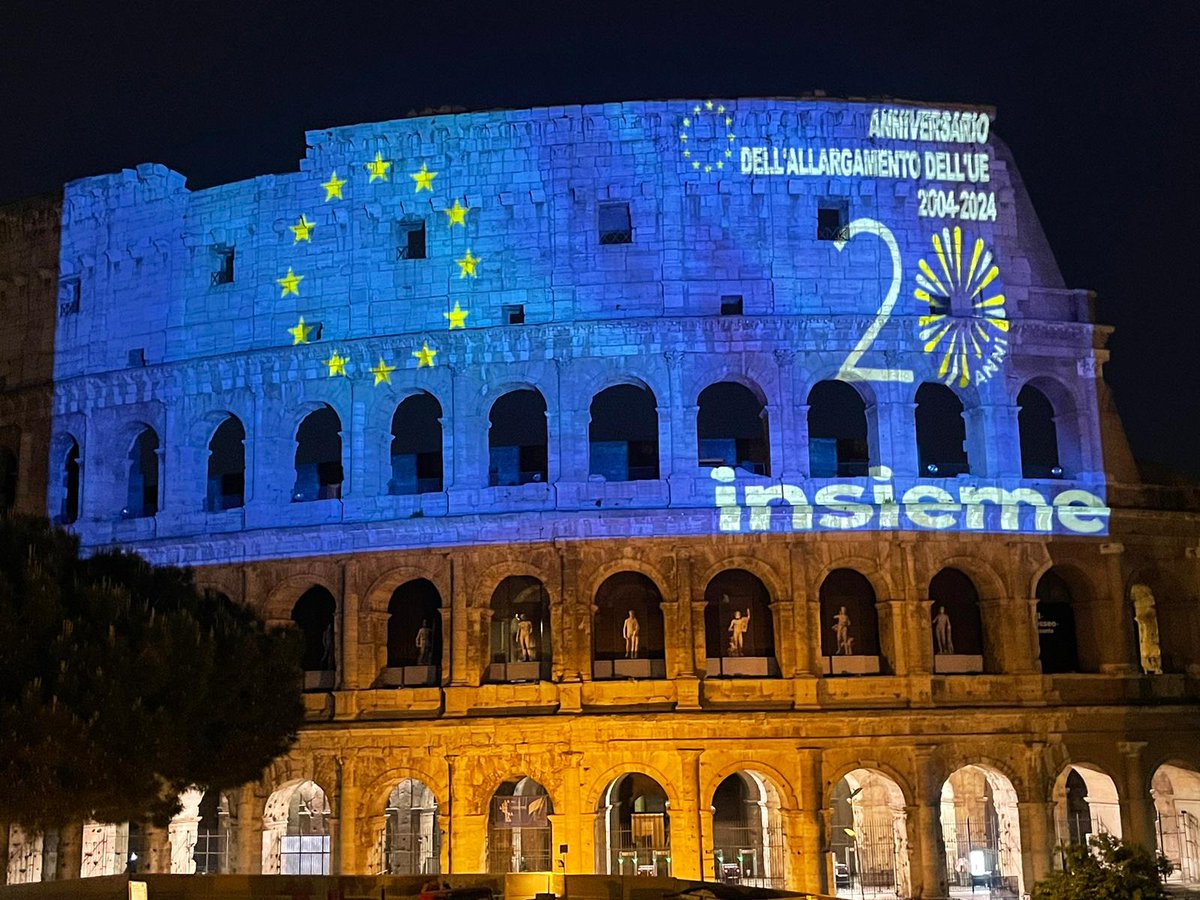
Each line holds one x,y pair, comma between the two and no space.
942,634
630,632
1147,624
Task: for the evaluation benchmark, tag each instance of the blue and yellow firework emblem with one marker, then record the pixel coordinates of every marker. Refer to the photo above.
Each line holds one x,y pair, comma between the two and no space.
965,327
706,137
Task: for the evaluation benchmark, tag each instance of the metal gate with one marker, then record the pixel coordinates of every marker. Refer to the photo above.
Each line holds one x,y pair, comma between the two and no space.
749,854
1179,842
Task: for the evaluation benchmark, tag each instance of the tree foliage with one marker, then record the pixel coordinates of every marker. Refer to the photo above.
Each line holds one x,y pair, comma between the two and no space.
1106,868
121,684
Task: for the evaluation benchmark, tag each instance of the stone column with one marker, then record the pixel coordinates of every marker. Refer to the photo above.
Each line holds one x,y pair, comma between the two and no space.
70,851
699,646
158,850
572,659
789,437
460,639
805,659
892,434
1137,808
920,642
993,440
182,834
926,847
5,828
1009,635
349,677
691,858
783,621
349,802
806,827
893,635
1036,818
249,834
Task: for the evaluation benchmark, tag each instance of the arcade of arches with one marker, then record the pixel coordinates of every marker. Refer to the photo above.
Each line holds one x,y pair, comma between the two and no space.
483,713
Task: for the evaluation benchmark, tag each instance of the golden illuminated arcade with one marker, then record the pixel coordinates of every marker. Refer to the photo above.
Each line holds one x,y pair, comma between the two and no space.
725,489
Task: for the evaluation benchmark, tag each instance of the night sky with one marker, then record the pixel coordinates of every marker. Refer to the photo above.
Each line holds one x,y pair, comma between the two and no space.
1098,103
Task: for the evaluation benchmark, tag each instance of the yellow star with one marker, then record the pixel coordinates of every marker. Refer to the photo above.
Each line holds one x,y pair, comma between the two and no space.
457,316
720,164
728,154
696,110
687,153
337,364
424,356
378,167
290,283
687,123
683,135
729,120
333,187
721,109
708,168
695,164
708,104
303,229
424,179
466,265
382,372
300,332
457,214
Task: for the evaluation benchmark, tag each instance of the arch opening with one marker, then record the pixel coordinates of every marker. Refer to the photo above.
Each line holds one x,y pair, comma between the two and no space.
1085,804
32,855
955,623
623,434
849,624
519,636
141,498
981,830
868,836
837,431
739,632
296,831
1038,435
633,828
941,432
1057,635
318,457
519,838
215,831
416,453
748,839
69,509
627,631
517,445
732,428
1176,793
111,848
414,635
412,840
314,614
227,466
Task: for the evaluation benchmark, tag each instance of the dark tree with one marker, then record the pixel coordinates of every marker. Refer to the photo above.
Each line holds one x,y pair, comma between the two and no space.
121,684
1106,868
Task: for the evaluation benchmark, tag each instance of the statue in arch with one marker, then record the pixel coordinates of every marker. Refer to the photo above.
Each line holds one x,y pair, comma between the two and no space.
841,631
630,632
942,634
526,648
1147,624
737,631
424,644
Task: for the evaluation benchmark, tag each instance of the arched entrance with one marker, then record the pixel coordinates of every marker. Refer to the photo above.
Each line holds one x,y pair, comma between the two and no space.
412,841
519,636
1085,804
627,630
633,829
868,836
739,633
519,838
981,830
296,831
748,846
1176,793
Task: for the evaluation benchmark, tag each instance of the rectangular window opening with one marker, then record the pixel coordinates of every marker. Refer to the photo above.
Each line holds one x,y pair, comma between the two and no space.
224,273
410,238
832,215
731,305
616,227
69,292
514,314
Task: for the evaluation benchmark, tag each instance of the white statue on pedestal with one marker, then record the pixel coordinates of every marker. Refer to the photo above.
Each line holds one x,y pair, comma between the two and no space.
630,632
841,631
942,632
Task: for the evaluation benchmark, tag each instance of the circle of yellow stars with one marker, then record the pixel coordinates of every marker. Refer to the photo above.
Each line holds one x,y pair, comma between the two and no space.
377,169
699,150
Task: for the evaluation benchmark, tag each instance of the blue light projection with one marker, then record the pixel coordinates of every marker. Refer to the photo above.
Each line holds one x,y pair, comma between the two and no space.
884,246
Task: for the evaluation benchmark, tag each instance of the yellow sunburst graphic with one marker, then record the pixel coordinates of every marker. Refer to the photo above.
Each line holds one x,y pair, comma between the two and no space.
966,322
